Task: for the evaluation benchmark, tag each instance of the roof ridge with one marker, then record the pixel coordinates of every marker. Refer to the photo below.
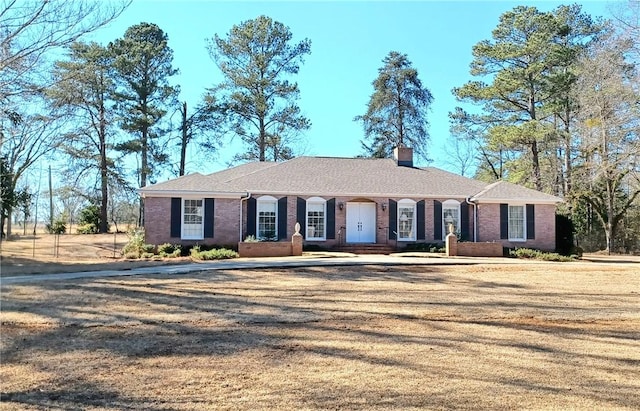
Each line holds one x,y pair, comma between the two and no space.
271,165
487,188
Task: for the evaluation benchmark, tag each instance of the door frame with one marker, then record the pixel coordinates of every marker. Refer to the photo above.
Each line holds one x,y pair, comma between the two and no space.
370,220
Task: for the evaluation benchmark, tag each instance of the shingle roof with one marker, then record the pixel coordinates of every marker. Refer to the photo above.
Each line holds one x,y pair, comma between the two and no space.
354,176
196,183
503,190
343,176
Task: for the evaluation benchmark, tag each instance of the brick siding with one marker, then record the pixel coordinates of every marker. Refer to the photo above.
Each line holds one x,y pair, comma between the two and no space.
545,227
227,230
226,222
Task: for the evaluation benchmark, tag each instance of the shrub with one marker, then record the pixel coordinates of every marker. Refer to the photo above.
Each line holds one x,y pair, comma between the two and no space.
215,254
87,229
136,247
564,235
313,247
169,250
538,255
525,253
194,251
427,247
89,220
57,227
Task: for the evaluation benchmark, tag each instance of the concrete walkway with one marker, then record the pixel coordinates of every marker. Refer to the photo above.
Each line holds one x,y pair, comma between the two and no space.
307,260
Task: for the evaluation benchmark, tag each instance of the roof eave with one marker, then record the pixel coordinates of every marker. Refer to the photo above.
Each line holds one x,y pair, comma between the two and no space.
357,194
515,200
191,193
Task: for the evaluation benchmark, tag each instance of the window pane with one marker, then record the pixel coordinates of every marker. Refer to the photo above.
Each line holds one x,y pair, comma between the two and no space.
450,215
267,224
315,220
192,219
406,222
267,219
516,222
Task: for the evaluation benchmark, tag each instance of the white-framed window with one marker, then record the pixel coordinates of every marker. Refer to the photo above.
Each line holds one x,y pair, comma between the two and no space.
267,218
517,223
316,219
450,215
192,219
406,220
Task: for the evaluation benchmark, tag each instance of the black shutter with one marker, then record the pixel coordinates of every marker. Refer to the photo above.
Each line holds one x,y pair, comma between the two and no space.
252,204
437,220
331,219
282,218
176,217
208,217
393,219
531,222
301,215
420,221
504,221
464,221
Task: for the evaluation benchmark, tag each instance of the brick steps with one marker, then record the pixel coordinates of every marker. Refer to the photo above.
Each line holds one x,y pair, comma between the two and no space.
365,248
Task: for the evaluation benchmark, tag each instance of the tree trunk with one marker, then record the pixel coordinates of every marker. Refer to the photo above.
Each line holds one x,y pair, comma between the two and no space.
535,155
104,174
610,227
183,145
144,164
262,141
567,157
535,158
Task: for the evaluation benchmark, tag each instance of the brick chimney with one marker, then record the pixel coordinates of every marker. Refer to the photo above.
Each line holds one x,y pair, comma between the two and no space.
403,156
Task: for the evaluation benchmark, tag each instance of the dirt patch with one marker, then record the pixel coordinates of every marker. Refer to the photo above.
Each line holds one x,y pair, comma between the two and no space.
553,336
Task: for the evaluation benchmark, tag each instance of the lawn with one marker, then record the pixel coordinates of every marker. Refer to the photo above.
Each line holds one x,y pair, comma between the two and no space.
487,336
47,254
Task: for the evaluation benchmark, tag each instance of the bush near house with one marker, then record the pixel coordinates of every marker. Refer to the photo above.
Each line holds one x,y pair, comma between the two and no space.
168,250
136,247
529,253
214,254
426,247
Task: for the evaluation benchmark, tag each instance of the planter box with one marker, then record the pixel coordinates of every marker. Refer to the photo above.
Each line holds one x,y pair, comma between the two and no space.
265,249
479,249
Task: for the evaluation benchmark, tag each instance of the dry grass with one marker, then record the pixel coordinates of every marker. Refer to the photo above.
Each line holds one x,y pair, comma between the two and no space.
543,336
46,254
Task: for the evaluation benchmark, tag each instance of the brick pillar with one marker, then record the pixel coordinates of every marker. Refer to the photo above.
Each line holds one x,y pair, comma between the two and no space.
451,243
296,241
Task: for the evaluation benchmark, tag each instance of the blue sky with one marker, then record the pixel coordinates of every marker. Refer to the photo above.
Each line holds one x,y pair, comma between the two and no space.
348,42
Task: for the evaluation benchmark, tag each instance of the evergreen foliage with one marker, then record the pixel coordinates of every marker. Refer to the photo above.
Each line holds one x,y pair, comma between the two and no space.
84,86
143,64
397,110
89,221
257,98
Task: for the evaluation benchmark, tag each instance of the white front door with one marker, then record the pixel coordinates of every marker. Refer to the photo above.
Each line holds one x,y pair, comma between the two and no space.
361,222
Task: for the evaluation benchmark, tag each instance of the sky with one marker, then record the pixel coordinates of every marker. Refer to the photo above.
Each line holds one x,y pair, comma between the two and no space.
349,40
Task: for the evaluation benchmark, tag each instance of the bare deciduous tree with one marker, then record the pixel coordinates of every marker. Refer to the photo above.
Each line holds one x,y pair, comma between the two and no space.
608,89
32,28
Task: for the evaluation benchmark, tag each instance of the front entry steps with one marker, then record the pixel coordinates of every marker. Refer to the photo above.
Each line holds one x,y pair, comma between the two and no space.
365,248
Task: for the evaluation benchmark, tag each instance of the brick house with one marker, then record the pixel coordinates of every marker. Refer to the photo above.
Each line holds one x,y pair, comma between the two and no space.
340,201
